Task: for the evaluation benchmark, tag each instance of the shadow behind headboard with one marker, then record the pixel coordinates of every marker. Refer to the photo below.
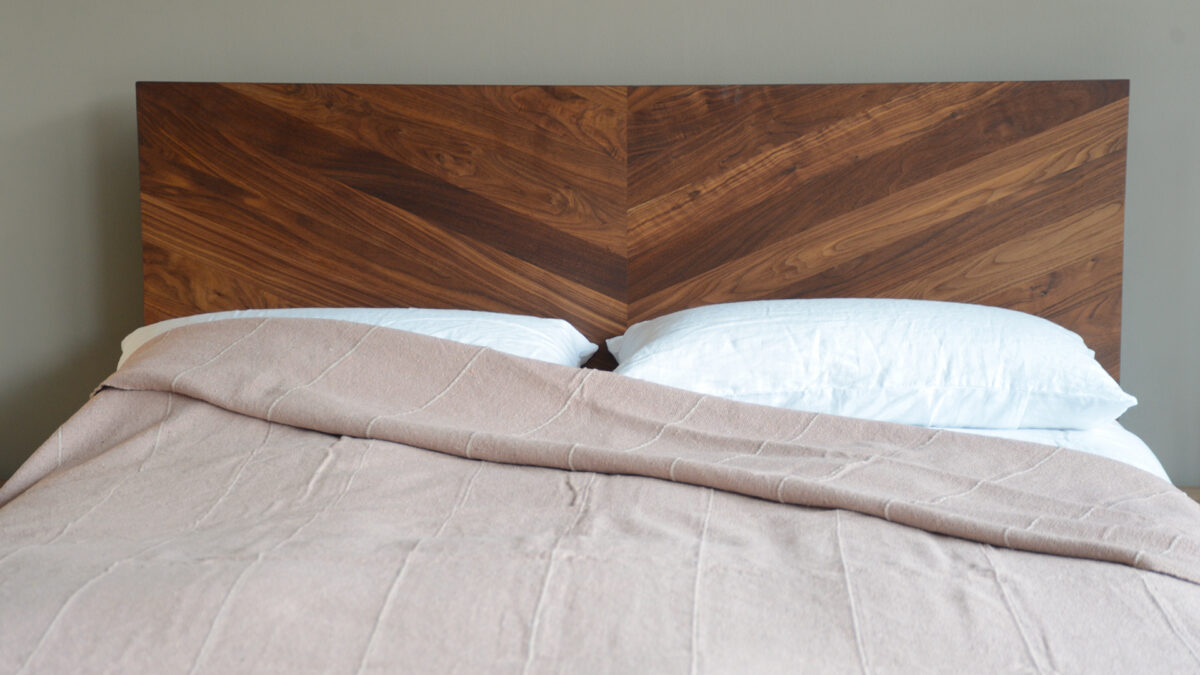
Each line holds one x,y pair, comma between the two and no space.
609,205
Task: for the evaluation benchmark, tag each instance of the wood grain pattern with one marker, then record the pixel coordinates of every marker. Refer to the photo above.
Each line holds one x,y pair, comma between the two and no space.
609,205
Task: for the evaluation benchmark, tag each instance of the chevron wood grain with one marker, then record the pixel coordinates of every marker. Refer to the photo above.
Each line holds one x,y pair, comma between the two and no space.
609,205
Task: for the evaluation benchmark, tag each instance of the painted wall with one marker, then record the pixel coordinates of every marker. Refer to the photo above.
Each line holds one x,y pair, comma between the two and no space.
69,249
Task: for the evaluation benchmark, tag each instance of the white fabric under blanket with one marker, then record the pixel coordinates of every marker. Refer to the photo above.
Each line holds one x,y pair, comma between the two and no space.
1110,440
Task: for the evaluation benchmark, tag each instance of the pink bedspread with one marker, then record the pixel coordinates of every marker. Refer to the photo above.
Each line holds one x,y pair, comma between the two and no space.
317,496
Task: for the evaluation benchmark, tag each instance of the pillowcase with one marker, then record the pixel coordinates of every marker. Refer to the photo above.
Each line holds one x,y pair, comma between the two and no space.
909,361
552,340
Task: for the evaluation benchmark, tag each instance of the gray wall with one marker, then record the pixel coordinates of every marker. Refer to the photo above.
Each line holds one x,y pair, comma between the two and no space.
69,251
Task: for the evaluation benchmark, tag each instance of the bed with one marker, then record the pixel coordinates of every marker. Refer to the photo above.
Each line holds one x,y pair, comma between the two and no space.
342,483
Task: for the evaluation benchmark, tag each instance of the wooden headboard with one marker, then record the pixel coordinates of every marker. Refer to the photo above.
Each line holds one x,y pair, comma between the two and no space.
609,205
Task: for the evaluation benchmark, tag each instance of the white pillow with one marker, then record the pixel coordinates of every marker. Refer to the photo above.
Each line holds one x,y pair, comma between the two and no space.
552,340
909,361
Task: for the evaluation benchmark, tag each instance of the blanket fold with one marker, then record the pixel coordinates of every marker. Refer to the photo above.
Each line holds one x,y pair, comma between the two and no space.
356,380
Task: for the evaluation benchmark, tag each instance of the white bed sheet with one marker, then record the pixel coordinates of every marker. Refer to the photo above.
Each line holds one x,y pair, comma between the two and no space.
1110,440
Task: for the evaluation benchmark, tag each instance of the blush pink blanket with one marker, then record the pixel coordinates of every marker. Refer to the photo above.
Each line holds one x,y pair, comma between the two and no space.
316,496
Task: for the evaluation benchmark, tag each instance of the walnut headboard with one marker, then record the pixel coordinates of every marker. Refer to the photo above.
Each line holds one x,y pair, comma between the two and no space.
609,205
